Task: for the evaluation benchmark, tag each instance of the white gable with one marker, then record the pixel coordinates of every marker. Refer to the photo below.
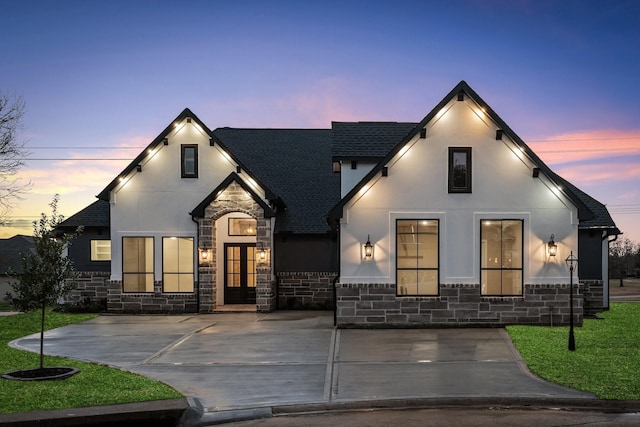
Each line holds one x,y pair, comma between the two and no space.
156,200
503,187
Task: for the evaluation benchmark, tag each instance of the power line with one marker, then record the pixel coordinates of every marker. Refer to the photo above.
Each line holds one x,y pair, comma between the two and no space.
85,148
582,139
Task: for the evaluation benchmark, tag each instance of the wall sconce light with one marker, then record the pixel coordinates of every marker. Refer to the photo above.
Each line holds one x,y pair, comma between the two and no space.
205,255
262,256
552,247
368,249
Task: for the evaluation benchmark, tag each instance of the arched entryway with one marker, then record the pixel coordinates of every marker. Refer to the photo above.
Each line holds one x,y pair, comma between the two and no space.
235,263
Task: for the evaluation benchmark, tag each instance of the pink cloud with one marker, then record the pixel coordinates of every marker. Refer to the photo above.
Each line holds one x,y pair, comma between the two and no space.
587,145
601,172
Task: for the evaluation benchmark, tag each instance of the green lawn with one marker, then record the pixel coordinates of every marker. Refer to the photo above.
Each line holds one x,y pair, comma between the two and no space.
607,357
94,385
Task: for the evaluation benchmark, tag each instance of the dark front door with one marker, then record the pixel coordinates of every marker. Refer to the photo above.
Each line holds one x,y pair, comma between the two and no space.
239,273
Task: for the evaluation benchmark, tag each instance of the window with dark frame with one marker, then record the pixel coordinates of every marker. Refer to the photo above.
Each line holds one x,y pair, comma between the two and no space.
137,264
177,264
189,161
501,257
459,169
417,257
242,227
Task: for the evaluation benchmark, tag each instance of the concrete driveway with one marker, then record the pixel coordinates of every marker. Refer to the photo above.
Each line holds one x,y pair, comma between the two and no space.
251,360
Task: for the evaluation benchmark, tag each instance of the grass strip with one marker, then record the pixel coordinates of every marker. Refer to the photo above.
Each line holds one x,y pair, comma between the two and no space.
607,357
95,385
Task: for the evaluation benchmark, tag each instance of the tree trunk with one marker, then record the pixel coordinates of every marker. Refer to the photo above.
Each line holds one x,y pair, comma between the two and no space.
44,307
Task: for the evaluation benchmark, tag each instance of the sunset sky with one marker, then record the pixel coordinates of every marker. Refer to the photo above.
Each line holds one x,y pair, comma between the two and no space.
102,79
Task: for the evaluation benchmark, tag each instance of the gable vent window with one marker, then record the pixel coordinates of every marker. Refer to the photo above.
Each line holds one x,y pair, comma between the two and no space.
189,161
459,169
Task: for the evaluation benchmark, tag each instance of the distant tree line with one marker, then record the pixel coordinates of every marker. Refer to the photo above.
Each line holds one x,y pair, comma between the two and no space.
624,259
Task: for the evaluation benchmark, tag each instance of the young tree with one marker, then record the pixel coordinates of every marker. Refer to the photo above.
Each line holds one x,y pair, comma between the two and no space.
12,152
47,273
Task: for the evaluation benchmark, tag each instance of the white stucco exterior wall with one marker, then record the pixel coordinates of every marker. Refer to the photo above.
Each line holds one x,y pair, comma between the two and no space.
417,187
349,177
156,202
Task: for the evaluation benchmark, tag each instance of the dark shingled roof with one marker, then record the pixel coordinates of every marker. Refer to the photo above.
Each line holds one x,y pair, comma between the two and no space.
11,251
94,215
366,140
601,217
296,165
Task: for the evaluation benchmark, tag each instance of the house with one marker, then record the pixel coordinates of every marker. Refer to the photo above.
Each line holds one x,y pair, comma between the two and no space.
450,221
11,254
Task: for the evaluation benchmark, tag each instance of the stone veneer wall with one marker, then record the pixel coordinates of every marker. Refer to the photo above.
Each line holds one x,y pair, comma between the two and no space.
305,290
377,306
89,285
155,302
593,291
233,199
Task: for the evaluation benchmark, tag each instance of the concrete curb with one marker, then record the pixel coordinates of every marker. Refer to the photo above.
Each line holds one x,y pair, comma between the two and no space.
577,404
189,412
156,413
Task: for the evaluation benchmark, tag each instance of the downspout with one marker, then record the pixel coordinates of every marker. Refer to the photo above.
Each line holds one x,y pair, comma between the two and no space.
198,257
607,272
335,281
277,288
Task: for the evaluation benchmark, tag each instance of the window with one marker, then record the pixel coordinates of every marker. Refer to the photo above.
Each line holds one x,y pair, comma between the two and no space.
137,264
459,169
242,227
177,264
417,258
101,250
501,257
189,165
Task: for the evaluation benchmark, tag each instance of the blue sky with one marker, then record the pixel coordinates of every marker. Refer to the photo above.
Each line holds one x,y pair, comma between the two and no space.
102,79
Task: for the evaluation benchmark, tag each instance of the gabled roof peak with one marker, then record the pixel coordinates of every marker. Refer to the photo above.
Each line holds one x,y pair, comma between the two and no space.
584,212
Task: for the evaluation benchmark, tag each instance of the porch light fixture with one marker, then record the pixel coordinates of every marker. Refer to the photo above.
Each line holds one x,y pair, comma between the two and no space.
571,261
262,256
205,254
552,247
368,249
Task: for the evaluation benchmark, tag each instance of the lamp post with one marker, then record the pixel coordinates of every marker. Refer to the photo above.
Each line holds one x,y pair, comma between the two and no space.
571,262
